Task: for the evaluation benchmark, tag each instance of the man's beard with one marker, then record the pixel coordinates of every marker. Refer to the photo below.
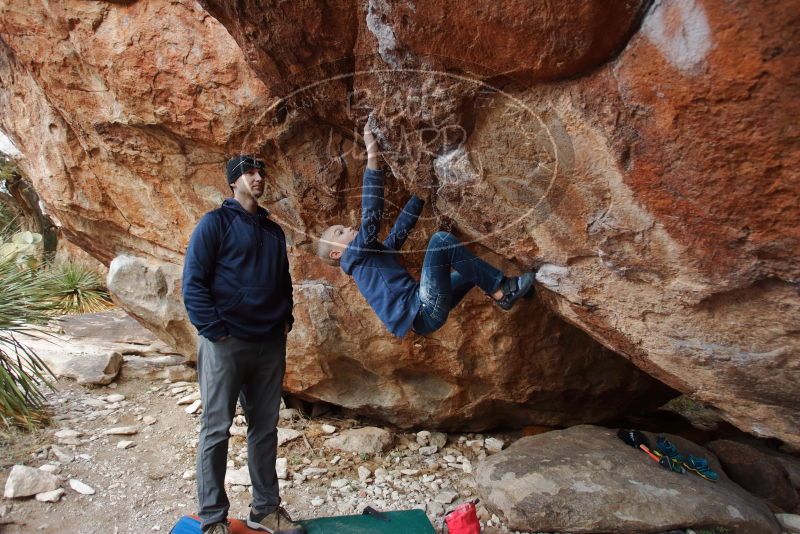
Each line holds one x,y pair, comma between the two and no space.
249,190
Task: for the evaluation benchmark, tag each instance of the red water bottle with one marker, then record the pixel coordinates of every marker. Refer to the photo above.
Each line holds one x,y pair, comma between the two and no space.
463,519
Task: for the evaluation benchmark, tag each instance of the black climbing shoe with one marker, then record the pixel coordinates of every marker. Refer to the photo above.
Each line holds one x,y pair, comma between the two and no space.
515,288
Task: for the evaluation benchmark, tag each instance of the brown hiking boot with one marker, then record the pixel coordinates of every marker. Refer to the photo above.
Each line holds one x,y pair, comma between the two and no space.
278,522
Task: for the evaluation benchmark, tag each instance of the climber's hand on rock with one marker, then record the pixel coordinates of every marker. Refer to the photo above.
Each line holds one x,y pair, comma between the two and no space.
372,148
370,142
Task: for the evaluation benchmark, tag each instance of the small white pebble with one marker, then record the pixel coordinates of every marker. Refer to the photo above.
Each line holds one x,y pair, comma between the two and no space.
80,487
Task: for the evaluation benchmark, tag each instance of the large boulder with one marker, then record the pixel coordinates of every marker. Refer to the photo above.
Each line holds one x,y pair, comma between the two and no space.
584,479
792,466
128,168
664,209
551,374
150,291
761,474
646,161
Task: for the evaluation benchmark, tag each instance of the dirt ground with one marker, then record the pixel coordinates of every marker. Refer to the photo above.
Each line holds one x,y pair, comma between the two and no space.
137,489
149,486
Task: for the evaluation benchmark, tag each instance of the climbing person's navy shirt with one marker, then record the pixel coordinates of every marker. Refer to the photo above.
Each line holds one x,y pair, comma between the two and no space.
384,282
236,277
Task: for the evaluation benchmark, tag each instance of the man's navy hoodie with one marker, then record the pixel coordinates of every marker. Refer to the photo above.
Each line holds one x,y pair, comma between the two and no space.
385,283
236,275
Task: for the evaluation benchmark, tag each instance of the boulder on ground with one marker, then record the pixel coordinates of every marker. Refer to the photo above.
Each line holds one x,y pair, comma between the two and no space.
24,481
762,475
792,466
584,479
647,162
93,368
150,292
368,440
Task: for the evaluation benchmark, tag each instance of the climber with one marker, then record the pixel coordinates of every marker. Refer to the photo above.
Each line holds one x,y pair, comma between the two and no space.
449,270
238,293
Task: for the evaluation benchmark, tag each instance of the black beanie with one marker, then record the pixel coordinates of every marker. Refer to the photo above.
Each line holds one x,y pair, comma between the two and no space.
238,165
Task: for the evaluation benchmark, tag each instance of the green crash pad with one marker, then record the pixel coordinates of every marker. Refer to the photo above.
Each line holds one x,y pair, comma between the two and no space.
402,522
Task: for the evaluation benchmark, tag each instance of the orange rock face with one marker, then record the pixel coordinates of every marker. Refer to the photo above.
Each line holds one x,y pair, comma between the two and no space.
644,154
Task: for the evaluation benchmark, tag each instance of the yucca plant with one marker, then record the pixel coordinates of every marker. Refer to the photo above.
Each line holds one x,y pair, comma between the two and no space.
31,294
25,306
77,289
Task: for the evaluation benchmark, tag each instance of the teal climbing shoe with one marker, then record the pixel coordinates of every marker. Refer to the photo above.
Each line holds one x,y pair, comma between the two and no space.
699,466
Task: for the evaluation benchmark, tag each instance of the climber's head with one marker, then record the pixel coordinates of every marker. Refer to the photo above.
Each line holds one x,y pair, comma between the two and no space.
246,175
333,241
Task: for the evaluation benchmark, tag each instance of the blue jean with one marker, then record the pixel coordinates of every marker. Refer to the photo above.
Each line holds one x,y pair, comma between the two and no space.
449,271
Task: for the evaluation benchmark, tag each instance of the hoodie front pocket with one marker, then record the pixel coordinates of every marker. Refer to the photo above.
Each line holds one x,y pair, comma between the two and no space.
257,299
237,299
257,306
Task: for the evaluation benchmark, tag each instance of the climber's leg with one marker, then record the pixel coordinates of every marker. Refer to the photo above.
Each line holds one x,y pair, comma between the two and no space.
440,290
459,287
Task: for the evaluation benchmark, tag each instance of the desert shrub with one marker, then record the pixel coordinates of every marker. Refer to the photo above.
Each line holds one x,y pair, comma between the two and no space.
77,289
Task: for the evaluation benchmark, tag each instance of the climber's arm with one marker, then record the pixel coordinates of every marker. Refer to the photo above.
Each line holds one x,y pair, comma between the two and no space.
405,223
198,273
288,288
371,195
372,148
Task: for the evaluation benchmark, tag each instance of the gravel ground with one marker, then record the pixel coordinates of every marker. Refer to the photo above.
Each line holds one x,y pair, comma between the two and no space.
149,485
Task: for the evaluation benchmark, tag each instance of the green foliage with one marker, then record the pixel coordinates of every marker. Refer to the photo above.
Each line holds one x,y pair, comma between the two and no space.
77,289
32,293
25,305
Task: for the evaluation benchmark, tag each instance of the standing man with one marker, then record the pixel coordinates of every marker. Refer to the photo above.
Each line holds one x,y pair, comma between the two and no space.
238,293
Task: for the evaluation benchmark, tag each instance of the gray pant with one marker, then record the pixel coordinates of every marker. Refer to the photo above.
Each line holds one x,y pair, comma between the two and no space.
252,371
